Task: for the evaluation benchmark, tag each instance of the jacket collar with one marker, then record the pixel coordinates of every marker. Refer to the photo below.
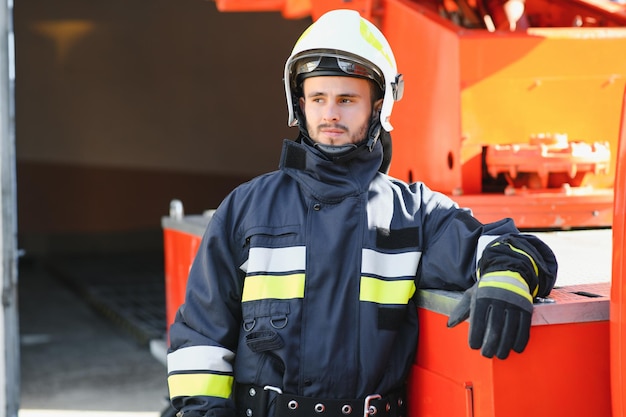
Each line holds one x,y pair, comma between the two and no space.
326,180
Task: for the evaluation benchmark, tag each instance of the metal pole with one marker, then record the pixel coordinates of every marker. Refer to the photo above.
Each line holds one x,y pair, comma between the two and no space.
9,333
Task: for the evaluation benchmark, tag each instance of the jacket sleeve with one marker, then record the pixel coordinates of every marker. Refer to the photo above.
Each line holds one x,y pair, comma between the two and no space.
458,248
203,337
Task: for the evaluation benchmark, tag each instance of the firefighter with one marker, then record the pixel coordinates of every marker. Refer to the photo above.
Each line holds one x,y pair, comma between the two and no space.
301,298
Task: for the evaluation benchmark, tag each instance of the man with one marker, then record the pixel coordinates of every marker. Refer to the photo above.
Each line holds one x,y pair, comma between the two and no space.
301,299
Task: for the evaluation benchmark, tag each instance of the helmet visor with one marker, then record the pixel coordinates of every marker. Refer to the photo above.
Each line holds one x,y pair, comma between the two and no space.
327,64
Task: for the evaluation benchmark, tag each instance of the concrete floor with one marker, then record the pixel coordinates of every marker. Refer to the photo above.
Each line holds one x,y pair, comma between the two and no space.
76,360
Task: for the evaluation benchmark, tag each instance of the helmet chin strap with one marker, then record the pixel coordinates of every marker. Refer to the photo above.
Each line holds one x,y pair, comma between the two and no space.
373,133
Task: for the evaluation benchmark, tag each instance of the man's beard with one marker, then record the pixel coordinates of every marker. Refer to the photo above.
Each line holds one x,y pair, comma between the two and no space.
355,137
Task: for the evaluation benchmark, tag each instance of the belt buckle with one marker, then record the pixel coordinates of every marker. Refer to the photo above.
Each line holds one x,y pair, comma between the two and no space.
366,405
271,388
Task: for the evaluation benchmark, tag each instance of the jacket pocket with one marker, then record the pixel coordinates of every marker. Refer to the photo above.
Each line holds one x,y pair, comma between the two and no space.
269,236
262,322
264,340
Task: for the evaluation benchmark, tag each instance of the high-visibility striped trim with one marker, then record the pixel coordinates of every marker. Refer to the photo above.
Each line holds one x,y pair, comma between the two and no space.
371,38
390,264
272,260
283,287
200,358
190,385
506,280
386,292
530,258
532,261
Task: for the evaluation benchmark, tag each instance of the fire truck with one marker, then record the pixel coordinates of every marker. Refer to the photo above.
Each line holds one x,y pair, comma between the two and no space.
517,124
524,122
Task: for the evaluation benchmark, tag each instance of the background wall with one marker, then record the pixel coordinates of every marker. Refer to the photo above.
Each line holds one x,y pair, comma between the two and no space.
124,105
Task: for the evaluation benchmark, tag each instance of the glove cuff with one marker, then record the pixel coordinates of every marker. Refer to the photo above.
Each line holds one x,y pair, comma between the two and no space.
508,286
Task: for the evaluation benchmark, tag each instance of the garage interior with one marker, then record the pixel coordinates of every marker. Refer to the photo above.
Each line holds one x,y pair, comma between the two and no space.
121,107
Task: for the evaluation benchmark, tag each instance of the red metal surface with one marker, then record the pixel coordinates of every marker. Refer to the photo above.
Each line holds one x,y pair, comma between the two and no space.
180,249
618,282
564,371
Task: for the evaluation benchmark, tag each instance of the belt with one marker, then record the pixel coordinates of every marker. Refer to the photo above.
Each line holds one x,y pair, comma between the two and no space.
256,401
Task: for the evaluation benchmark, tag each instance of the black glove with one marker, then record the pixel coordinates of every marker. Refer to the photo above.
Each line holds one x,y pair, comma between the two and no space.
499,307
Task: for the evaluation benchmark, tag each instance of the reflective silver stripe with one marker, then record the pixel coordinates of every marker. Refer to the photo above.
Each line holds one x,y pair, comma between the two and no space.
200,358
380,204
483,242
390,265
276,259
506,280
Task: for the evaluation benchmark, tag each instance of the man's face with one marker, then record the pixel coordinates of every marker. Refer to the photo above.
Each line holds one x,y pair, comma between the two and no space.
337,109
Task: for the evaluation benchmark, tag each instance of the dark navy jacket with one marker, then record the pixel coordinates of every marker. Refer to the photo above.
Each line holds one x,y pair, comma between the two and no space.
306,277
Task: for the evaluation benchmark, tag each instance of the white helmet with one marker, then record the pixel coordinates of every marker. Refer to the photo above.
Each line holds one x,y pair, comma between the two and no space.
360,50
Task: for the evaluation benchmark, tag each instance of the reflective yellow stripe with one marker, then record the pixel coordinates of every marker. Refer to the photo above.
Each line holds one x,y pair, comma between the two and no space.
514,249
532,261
200,384
304,35
386,292
371,38
259,287
515,284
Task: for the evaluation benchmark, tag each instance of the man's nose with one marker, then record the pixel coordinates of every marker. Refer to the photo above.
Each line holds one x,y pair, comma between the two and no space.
331,112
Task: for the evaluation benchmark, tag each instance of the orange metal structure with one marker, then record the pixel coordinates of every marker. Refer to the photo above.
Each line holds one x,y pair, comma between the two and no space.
469,89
